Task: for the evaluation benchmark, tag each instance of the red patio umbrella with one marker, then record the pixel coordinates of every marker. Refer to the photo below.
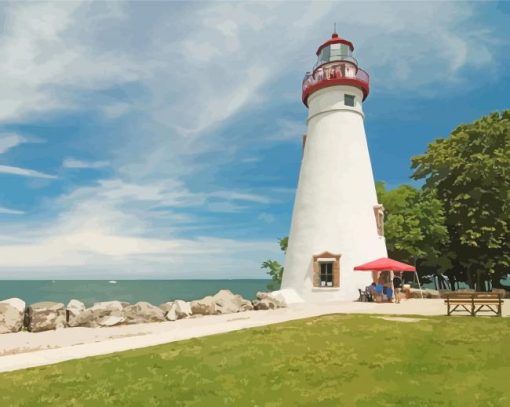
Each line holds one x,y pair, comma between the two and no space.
385,263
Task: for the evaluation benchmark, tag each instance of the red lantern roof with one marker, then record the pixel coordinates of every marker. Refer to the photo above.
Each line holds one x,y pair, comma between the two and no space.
335,39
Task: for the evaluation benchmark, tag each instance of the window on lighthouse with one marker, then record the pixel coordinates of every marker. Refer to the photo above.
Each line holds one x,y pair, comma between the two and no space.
326,275
349,100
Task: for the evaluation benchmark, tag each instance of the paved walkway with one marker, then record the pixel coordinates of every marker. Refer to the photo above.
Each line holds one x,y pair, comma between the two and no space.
24,349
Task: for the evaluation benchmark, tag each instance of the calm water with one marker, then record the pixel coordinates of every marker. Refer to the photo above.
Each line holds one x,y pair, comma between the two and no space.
153,291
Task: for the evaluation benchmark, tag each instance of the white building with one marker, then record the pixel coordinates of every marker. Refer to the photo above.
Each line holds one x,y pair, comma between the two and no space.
337,222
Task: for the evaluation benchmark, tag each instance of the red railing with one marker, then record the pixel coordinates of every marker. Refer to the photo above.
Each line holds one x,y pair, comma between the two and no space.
335,74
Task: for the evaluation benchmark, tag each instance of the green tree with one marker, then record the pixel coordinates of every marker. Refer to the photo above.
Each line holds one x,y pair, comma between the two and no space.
414,226
274,268
469,171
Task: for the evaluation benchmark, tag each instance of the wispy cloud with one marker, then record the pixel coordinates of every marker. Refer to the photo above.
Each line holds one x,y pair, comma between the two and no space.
7,211
45,57
10,140
24,172
77,164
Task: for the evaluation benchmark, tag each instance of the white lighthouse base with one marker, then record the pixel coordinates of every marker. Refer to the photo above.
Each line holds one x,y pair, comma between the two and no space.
335,217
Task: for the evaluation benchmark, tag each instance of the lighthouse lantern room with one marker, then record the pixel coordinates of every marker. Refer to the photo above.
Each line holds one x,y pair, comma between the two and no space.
336,221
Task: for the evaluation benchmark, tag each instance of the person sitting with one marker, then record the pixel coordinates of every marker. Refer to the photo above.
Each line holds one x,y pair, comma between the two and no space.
370,290
379,288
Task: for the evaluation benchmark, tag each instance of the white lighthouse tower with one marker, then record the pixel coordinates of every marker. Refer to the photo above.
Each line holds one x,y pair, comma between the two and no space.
337,222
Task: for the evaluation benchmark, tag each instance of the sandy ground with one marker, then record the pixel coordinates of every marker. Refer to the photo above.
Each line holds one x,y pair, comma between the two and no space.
24,349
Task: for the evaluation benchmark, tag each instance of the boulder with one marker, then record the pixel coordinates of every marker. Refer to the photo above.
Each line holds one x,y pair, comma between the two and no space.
204,306
171,315
109,306
73,309
12,313
182,309
228,303
111,320
268,301
167,306
278,299
143,312
44,316
177,309
98,313
264,304
17,303
261,295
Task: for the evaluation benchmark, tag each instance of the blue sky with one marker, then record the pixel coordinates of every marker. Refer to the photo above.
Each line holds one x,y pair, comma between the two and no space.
163,140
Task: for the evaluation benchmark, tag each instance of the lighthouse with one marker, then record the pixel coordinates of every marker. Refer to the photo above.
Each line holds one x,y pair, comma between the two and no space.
337,222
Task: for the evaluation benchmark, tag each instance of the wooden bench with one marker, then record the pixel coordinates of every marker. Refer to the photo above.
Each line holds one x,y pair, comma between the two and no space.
474,303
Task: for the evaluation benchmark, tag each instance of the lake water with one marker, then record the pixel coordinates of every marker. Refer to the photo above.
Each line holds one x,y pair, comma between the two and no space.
153,291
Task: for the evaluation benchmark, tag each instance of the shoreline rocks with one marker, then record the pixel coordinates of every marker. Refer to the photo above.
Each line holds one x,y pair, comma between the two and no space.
47,315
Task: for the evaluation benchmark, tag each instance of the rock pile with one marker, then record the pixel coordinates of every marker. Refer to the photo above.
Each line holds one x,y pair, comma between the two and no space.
223,302
43,316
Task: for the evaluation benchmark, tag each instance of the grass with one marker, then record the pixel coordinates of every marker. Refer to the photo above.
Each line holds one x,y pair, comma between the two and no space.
335,360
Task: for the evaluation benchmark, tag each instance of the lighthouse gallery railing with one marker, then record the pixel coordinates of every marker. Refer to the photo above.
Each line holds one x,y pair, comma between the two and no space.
334,72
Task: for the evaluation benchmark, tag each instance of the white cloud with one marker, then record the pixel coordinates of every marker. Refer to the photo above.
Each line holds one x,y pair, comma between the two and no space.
7,211
46,56
74,163
239,196
10,140
24,172
102,228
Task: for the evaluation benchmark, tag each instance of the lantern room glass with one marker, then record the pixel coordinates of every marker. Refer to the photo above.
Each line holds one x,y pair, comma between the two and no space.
335,52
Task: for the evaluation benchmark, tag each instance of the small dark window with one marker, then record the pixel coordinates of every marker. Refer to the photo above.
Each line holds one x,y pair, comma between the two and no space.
349,100
326,274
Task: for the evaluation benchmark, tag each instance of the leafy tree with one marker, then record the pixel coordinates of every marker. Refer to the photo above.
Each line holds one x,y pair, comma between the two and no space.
469,172
274,268
414,226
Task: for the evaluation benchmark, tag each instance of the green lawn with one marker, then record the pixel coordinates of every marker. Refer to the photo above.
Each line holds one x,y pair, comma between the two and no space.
352,360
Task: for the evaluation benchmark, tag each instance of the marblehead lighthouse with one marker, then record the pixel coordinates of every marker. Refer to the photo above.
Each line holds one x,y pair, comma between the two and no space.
337,222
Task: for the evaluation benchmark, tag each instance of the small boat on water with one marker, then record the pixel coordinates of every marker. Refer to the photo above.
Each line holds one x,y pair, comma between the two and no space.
112,282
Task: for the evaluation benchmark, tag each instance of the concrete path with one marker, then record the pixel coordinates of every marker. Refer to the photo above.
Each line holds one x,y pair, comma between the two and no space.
24,349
